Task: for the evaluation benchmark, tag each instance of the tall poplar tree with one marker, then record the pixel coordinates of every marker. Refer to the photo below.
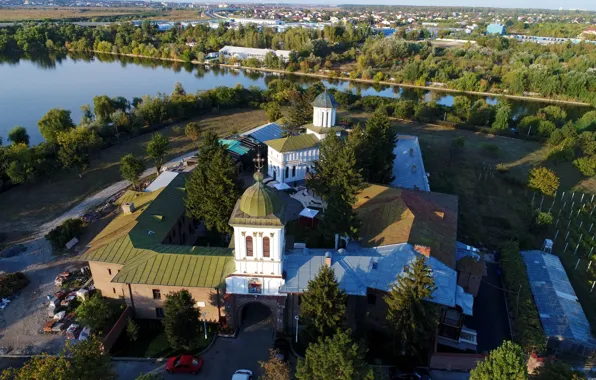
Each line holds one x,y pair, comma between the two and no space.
412,319
323,304
337,180
380,139
157,149
212,188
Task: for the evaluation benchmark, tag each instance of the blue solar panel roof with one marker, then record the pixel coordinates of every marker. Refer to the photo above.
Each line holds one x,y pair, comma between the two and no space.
265,132
560,312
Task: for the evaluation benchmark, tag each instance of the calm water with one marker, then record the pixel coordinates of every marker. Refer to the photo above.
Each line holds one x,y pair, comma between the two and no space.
29,87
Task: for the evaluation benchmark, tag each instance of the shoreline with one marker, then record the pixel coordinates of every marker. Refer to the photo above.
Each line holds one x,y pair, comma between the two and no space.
366,81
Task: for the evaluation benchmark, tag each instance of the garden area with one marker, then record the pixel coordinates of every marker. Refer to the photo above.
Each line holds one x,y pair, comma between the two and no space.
152,341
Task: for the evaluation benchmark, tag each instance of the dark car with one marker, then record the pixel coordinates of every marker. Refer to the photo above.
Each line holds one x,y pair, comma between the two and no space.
417,374
184,364
283,348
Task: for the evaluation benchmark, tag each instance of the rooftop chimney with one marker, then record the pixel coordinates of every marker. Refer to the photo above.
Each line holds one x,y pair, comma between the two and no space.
128,207
422,249
328,259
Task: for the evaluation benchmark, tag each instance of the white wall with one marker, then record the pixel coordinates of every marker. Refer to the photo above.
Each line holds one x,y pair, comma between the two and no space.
300,159
257,264
323,117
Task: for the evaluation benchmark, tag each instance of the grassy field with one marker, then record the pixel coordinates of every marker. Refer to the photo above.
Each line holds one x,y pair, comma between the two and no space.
54,13
28,206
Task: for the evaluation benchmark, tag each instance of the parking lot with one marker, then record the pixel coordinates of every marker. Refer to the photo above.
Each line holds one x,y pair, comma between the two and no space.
22,320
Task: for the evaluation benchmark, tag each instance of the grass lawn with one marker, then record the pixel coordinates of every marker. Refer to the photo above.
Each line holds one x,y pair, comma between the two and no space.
26,207
153,342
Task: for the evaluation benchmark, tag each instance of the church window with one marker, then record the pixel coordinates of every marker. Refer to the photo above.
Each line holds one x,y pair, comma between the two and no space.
249,246
266,249
293,171
287,172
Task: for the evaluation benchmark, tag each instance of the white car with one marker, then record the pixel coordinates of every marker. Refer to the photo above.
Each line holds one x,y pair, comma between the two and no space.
84,335
242,374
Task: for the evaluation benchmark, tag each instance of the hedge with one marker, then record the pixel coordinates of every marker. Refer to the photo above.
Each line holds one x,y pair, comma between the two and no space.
11,283
527,329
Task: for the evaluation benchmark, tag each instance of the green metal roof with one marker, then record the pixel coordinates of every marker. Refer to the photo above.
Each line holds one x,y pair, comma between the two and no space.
325,100
293,143
259,200
135,241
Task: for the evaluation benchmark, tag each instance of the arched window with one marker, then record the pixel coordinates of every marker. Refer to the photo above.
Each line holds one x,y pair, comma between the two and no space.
266,250
287,172
293,171
249,246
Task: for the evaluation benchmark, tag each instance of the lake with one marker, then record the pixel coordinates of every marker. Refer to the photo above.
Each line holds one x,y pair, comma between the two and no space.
30,86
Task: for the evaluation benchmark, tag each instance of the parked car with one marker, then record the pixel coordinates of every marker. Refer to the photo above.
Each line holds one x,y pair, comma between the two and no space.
61,278
283,348
416,374
184,364
242,374
85,333
73,331
47,327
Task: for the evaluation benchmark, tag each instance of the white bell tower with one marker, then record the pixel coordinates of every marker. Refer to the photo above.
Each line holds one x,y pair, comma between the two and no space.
324,110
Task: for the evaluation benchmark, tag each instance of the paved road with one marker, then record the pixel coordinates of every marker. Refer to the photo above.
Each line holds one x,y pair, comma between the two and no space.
224,357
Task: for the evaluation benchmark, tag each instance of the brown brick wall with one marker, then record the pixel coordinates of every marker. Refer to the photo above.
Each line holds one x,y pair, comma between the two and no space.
103,273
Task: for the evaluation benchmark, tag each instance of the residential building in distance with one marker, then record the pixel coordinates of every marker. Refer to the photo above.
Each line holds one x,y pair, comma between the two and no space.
245,53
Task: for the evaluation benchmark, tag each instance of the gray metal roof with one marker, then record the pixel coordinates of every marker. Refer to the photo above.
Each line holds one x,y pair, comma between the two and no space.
325,100
408,167
359,268
560,312
265,132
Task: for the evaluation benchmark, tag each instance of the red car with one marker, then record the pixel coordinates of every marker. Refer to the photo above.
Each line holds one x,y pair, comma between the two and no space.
184,364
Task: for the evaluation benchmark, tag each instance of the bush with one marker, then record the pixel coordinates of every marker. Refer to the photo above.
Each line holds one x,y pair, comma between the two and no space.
178,131
490,148
11,283
458,142
586,166
527,329
64,233
544,218
543,180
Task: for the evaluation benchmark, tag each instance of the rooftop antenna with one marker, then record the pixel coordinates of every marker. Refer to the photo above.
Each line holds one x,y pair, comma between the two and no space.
258,160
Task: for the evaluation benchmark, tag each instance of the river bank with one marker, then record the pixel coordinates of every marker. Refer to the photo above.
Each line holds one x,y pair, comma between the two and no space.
364,81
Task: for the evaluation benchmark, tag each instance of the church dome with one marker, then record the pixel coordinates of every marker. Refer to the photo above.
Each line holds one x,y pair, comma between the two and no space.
325,100
259,200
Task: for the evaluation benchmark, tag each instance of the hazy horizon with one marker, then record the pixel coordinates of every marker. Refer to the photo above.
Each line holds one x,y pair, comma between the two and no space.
589,5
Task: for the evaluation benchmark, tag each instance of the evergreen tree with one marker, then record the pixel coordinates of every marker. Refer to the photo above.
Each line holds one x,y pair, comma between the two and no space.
412,319
212,188
337,180
157,149
132,168
18,135
299,113
323,304
557,370
273,110
380,143
192,131
181,320
507,362
334,358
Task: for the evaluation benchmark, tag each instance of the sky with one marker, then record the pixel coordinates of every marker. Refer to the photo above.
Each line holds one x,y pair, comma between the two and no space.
543,4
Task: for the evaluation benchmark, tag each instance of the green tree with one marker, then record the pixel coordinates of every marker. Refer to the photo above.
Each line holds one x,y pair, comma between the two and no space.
178,90
181,321
87,115
586,166
338,180
502,118
323,304
53,122
18,135
76,146
132,330
380,143
462,106
507,362
557,370
274,368
192,131
543,180
41,367
89,360
273,111
93,313
299,113
157,149
212,188
103,107
20,164
132,168
412,319
334,358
